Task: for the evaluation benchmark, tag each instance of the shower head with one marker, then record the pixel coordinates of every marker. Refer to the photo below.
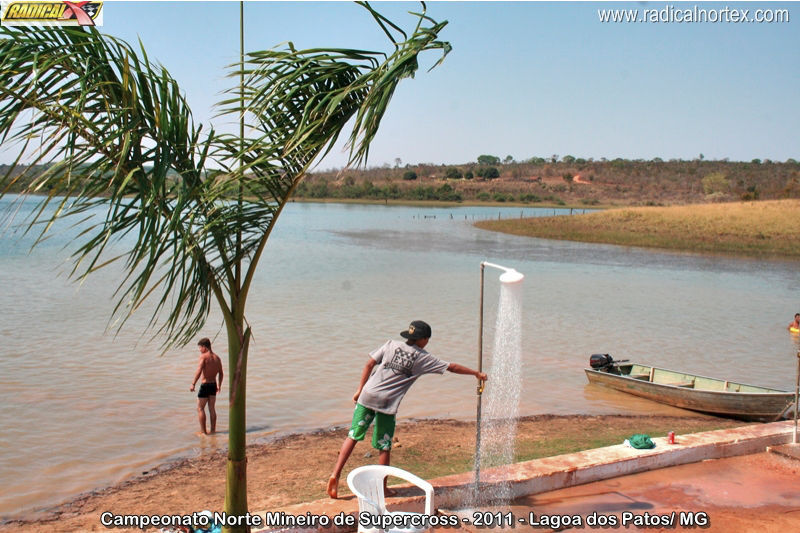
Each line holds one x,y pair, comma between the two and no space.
509,275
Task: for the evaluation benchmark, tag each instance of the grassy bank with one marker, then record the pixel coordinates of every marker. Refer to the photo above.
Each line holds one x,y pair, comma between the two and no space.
768,228
548,436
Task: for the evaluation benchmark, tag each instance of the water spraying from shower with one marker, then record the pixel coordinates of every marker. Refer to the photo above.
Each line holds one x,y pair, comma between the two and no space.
494,443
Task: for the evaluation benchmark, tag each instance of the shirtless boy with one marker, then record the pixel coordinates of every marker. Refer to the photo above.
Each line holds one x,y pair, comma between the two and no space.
210,367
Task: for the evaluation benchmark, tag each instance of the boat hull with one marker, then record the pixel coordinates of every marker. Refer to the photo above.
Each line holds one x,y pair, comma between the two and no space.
766,406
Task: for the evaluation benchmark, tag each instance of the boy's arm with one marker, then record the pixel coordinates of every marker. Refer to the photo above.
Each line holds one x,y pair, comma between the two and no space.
461,369
364,377
197,374
221,375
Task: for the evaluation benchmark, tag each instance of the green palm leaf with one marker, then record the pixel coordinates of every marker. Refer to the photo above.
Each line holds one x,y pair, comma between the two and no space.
123,156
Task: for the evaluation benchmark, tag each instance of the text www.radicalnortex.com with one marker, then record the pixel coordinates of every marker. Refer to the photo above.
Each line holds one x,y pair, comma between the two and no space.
694,14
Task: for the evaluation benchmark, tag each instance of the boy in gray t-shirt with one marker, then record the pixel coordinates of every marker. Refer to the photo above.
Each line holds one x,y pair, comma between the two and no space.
387,376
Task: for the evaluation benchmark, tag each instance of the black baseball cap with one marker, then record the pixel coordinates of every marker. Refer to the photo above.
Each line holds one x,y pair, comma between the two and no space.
417,330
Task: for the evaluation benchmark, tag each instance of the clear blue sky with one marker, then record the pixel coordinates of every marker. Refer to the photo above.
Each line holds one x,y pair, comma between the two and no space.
524,78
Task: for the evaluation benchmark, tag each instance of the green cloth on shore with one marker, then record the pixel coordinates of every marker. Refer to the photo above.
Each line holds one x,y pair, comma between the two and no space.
641,441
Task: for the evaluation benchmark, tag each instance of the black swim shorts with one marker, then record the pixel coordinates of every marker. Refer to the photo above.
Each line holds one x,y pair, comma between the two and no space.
207,389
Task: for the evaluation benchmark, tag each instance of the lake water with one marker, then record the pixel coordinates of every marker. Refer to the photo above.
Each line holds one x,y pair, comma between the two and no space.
85,409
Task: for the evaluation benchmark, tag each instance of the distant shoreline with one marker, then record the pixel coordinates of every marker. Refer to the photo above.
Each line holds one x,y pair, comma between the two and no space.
565,182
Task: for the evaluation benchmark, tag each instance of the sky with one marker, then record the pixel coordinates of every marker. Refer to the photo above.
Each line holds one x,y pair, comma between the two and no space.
526,79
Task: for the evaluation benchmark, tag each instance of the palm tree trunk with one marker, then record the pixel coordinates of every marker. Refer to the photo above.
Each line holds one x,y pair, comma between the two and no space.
236,485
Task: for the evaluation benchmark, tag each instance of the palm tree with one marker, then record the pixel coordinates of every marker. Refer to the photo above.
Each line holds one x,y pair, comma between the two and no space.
116,137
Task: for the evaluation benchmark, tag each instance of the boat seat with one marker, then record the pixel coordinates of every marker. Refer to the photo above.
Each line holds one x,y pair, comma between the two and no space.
645,377
681,384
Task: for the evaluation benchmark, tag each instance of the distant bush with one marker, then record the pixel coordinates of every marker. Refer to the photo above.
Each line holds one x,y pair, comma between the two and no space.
409,175
716,182
750,194
483,196
529,198
554,199
446,193
452,173
488,173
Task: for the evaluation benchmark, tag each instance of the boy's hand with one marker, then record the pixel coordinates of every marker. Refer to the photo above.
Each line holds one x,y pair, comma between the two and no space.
356,395
482,376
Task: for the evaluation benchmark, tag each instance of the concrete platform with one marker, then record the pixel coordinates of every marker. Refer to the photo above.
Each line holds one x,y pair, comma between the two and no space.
551,473
792,451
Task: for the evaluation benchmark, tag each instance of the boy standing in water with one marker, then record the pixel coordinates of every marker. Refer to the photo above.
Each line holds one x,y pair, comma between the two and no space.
796,323
210,367
396,365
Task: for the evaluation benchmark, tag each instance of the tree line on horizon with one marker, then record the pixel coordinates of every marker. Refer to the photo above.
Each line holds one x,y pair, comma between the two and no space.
553,181
562,180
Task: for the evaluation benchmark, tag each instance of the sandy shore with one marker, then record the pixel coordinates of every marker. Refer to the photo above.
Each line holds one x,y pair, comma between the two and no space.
294,469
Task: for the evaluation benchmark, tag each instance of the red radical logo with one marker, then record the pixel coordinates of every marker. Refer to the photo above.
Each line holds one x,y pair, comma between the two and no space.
62,13
80,11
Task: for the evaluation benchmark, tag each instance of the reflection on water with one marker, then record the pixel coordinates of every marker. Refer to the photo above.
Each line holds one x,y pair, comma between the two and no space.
87,408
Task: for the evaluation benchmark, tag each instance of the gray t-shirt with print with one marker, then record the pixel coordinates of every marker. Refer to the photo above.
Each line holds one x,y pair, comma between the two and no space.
399,366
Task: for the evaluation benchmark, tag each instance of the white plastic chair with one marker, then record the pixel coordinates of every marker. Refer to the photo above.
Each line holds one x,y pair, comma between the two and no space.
366,482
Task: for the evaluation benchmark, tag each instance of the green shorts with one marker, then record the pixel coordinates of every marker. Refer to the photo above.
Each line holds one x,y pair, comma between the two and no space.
384,427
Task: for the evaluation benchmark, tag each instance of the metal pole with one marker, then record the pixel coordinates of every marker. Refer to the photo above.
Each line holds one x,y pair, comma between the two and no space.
796,398
480,392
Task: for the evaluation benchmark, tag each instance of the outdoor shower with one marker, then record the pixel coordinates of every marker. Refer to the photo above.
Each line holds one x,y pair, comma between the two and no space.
507,278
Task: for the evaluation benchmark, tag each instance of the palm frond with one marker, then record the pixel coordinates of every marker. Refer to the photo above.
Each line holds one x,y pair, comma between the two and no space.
119,146
121,152
301,100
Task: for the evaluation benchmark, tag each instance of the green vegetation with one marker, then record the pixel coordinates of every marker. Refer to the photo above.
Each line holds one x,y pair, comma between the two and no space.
570,181
573,181
715,183
488,173
443,461
754,228
488,160
452,173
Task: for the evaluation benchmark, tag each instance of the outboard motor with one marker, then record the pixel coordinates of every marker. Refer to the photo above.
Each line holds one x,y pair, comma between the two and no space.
601,361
